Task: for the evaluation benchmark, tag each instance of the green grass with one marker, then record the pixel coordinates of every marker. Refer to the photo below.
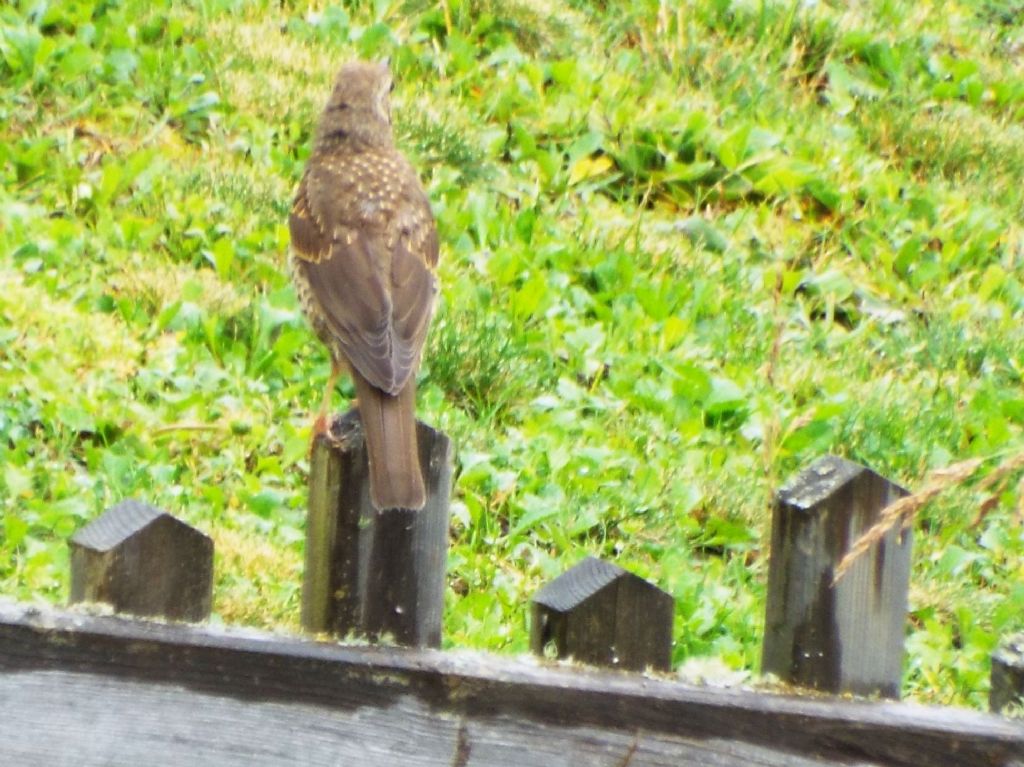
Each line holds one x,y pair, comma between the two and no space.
687,249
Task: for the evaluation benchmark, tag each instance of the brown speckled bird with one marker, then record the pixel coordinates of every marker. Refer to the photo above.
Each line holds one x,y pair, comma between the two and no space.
364,252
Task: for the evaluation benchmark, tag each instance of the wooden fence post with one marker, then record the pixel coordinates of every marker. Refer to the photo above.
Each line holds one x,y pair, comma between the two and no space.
1007,674
847,637
145,562
374,572
599,613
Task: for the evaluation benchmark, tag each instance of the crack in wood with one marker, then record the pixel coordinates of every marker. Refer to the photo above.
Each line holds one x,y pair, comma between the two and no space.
495,706
631,751
462,747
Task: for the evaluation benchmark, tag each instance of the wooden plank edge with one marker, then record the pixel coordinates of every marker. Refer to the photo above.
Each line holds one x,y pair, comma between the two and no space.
251,665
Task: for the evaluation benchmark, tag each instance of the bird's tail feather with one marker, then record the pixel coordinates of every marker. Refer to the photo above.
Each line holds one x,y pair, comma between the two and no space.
389,425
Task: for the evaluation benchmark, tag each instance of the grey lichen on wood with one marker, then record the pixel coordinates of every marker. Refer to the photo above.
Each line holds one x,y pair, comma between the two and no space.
374,572
84,690
599,613
143,561
846,637
1008,674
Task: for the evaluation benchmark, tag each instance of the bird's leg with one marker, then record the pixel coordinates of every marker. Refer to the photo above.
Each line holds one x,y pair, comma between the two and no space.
321,424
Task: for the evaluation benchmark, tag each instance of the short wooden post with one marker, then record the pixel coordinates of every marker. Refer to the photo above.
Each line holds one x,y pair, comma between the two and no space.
144,562
1007,674
373,572
599,613
847,637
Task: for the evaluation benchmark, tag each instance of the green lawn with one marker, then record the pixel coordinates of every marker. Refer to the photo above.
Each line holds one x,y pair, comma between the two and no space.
687,249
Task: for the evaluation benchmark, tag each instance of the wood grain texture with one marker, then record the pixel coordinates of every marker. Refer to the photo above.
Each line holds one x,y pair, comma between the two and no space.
1007,674
374,572
598,613
146,724
143,561
847,637
206,694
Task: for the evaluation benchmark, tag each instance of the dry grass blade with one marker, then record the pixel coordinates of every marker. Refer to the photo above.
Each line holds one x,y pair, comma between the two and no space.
1010,466
996,483
903,510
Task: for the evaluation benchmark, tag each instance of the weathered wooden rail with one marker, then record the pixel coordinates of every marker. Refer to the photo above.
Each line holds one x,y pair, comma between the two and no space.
83,689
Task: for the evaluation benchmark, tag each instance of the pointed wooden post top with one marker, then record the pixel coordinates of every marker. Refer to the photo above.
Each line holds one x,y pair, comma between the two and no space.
143,561
845,636
820,481
599,613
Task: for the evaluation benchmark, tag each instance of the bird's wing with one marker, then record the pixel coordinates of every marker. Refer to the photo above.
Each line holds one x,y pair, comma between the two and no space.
370,274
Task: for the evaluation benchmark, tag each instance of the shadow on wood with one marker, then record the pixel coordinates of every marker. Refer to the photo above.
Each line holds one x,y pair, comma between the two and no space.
599,613
143,561
1007,674
847,637
373,572
89,691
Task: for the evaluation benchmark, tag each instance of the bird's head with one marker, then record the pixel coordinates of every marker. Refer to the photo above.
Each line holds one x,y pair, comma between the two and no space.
359,108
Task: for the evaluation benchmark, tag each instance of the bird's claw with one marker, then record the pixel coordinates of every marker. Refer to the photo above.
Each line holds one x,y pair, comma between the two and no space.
321,426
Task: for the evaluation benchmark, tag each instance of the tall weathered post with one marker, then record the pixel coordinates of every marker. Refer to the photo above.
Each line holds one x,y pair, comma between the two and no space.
847,636
374,572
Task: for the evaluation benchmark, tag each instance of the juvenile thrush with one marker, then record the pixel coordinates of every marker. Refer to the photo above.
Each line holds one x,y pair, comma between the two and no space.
364,252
